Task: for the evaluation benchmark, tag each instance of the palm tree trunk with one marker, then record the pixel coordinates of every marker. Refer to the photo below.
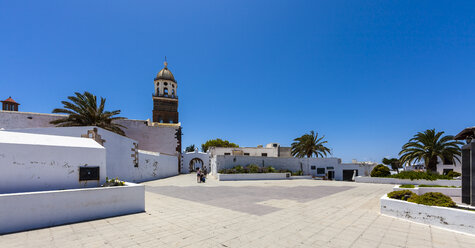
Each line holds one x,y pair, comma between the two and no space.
432,165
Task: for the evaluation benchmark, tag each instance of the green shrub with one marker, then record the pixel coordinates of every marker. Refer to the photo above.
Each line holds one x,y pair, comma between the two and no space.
401,194
380,171
407,186
433,199
435,186
453,174
297,173
419,175
253,168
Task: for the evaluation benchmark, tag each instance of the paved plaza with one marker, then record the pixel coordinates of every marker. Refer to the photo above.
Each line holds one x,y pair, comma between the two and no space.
288,213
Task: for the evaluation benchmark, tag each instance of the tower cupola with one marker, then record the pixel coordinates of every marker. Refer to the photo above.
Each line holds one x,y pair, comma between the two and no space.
165,97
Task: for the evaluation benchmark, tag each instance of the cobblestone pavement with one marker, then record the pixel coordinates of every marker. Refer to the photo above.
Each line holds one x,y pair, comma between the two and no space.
290,213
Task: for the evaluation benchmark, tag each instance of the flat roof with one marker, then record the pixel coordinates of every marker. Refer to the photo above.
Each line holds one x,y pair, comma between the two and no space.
46,140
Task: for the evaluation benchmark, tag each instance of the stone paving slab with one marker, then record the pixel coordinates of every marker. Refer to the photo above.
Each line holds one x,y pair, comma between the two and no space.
319,216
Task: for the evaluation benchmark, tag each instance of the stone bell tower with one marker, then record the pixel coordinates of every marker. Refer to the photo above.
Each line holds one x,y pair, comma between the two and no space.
165,98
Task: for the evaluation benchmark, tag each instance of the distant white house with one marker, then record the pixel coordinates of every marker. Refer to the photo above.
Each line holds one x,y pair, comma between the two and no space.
270,150
328,168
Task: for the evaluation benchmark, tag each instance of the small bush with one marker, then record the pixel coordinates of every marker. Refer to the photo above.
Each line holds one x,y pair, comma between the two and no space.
401,194
435,186
380,171
297,173
407,186
433,199
453,174
253,168
419,175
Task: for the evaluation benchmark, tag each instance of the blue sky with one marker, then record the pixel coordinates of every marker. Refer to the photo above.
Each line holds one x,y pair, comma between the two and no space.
366,74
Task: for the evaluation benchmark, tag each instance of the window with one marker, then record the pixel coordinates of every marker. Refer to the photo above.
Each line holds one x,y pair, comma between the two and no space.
173,92
448,161
313,167
88,173
165,83
320,170
274,145
227,153
165,91
264,154
246,154
173,86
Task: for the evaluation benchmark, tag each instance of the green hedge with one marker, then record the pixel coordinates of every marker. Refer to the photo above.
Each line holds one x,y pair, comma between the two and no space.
418,175
433,199
253,168
401,194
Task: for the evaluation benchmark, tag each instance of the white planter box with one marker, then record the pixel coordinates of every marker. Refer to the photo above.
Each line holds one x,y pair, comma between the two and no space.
450,218
385,180
452,192
252,176
31,210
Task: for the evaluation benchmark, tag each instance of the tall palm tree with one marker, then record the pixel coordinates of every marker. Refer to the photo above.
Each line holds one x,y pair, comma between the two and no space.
428,146
308,145
83,110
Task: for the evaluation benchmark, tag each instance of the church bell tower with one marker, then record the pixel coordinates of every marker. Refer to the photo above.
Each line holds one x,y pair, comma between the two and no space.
165,98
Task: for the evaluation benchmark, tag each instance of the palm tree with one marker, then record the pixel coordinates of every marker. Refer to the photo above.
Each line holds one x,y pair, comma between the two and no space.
308,145
190,148
428,146
83,110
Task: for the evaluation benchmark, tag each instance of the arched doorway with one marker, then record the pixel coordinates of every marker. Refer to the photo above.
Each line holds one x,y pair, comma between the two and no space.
196,164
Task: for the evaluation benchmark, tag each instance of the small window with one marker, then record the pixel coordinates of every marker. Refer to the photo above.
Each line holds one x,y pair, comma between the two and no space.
313,167
448,161
88,173
246,154
165,83
275,145
264,154
173,92
173,86
165,91
227,153
320,170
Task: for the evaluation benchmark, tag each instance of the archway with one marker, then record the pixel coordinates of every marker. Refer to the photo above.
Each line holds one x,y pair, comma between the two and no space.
195,164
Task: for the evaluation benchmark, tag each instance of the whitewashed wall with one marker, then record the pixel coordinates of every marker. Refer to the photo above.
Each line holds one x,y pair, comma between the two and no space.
121,153
253,151
154,165
187,157
34,162
150,137
156,137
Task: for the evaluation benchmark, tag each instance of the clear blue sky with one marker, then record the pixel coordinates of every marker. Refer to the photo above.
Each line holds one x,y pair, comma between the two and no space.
366,74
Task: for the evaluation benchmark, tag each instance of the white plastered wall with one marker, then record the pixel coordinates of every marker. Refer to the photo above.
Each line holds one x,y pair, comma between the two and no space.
122,155
34,162
188,156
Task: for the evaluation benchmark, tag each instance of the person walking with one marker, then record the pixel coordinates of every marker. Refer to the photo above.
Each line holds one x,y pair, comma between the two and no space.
198,175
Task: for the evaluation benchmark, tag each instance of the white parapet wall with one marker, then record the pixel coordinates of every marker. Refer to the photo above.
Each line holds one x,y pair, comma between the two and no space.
386,180
452,192
252,176
31,210
449,218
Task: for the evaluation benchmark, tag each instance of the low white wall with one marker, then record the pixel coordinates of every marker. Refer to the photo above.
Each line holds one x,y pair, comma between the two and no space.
252,176
452,192
34,162
385,180
25,211
450,218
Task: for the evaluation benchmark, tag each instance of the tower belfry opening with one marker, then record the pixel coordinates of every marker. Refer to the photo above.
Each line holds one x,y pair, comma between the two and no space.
165,97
